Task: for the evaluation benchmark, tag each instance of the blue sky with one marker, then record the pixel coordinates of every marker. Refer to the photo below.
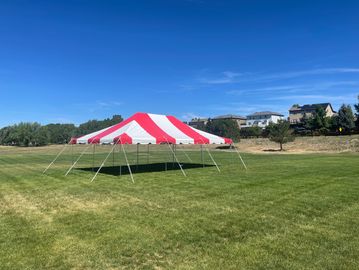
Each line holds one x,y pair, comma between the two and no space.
70,61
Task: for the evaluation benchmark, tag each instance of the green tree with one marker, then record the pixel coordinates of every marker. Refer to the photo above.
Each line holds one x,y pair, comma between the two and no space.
33,134
280,133
60,133
94,125
320,120
24,134
334,123
225,128
41,136
4,135
249,132
356,106
346,118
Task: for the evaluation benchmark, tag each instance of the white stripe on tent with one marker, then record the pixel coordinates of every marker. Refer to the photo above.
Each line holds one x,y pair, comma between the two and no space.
139,134
212,138
167,126
110,137
132,129
84,139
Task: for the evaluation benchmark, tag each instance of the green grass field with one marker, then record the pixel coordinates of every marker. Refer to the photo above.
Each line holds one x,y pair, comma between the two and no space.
286,212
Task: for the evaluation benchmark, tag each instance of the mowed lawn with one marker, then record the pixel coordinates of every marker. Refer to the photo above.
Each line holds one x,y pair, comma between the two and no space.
284,212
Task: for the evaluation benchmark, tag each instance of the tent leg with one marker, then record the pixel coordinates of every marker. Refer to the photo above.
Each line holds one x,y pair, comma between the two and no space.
73,165
72,154
202,157
166,162
137,161
93,157
173,155
148,153
187,156
103,163
59,154
113,157
128,165
120,163
214,162
240,157
180,166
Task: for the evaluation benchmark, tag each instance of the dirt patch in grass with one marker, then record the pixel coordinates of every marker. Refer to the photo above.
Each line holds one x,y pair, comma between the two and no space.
320,144
21,205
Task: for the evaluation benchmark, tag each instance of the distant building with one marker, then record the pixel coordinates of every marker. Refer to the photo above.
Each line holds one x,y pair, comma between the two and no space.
199,123
262,119
240,120
297,113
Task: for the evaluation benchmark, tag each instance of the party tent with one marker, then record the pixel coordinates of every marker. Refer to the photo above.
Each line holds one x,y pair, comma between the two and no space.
147,128
150,129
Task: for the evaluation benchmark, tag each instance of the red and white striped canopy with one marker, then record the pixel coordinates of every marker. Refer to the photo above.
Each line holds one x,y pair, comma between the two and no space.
147,128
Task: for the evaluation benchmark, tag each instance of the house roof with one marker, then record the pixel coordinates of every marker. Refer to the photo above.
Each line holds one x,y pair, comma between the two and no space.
311,107
230,116
265,113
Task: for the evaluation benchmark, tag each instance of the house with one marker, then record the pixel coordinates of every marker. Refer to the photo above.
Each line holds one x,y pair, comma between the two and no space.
240,120
297,113
199,123
262,119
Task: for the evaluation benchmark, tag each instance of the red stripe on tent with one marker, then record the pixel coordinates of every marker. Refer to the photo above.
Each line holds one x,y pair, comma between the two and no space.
228,141
146,122
73,141
123,139
96,139
197,138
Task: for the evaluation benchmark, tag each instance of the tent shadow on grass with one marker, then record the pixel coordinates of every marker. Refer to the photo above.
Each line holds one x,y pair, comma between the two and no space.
144,168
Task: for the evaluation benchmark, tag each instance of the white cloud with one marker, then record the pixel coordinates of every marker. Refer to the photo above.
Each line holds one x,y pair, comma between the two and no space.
295,88
309,72
189,116
350,98
61,120
244,108
108,104
231,77
224,78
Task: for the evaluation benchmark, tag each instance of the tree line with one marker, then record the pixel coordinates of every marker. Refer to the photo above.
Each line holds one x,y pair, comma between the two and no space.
35,134
344,122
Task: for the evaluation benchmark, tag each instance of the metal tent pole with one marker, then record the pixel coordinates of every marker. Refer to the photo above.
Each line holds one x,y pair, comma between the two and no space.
240,157
72,153
202,157
148,153
120,162
183,172
184,152
137,150
62,150
113,157
93,157
128,165
73,165
173,155
166,162
213,159
103,163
